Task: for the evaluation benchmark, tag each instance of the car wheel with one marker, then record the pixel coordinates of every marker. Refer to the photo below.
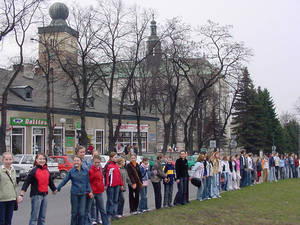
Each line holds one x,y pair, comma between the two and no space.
63,174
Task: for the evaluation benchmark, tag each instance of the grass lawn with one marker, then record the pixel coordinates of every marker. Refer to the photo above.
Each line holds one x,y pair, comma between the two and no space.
268,203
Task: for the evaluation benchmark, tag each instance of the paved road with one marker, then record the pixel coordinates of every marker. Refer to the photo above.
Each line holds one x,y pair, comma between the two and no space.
58,212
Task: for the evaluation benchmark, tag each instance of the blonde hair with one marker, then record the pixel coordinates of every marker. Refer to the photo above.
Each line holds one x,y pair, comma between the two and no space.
120,161
6,154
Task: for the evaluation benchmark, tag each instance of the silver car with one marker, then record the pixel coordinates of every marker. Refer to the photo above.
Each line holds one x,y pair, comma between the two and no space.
25,161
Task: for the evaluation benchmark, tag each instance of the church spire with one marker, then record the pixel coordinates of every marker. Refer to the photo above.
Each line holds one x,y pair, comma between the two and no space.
153,27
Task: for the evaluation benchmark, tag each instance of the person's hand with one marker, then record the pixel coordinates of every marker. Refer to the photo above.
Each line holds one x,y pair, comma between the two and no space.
91,195
122,188
105,188
133,186
178,181
54,192
19,199
166,180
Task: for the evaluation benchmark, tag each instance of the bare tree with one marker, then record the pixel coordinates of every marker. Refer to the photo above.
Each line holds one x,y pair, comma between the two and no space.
16,17
223,56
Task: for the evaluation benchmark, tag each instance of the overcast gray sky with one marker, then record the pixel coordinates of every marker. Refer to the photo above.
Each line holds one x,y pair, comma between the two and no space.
269,27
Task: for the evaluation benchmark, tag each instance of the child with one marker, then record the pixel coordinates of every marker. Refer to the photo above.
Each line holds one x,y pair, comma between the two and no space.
125,179
80,188
145,174
97,186
198,171
134,175
232,167
112,185
169,170
8,185
39,178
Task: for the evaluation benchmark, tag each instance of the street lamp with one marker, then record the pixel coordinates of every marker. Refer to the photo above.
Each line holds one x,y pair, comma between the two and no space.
62,121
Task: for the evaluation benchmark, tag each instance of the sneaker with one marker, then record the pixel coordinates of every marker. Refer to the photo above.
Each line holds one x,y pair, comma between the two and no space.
94,223
119,216
99,221
145,210
134,213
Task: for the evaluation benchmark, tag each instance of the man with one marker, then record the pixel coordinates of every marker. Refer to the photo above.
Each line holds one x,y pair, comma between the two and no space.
156,180
181,168
243,168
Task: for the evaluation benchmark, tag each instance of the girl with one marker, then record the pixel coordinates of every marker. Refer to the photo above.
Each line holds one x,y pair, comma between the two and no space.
125,179
197,171
80,188
238,170
39,178
134,175
232,168
215,178
8,185
282,167
265,167
208,180
112,185
227,174
97,186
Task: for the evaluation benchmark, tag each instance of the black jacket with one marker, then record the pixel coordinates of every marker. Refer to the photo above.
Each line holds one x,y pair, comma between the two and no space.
181,168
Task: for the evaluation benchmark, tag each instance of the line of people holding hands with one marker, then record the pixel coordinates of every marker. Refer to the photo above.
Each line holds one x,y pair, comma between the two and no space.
88,183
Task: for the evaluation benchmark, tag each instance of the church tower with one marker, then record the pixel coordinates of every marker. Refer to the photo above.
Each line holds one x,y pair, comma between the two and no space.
58,39
153,49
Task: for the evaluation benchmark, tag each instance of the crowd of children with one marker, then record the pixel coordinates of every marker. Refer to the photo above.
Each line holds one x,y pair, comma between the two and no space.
211,174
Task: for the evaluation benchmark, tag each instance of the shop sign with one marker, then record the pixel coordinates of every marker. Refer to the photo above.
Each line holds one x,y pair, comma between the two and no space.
133,127
78,125
69,141
20,121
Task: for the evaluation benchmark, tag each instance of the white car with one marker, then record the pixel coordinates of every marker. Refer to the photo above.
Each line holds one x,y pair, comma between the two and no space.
25,161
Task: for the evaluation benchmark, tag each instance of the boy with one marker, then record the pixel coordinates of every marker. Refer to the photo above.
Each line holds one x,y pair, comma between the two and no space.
169,170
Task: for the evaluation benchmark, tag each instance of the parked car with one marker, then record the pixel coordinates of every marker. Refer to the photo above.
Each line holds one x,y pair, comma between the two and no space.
20,173
25,161
65,163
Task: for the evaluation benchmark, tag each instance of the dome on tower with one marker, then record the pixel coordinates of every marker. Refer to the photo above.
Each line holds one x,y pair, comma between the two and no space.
59,12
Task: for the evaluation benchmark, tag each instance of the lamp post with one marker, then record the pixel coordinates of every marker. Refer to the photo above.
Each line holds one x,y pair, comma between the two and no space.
62,121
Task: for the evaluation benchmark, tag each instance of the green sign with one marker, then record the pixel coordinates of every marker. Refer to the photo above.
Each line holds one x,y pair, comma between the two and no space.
20,121
203,149
69,141
78,125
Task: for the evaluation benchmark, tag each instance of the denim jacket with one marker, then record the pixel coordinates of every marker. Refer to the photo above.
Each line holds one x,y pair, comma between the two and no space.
80,181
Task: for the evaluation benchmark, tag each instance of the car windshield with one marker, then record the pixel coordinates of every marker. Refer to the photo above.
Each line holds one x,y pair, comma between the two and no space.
17,159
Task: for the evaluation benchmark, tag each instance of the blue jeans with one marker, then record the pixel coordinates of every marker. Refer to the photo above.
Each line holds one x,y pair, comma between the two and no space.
143,202
6,212
249,177
207,189
168,194
200,191
38,209
215,186
100,205
112,200
94,212
78,205
181,195
287,171
121,203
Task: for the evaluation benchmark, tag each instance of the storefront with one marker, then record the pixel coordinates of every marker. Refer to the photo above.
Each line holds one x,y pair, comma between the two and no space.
128,136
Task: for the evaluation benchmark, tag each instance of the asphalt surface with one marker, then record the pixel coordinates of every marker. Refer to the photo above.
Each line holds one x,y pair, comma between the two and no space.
59,209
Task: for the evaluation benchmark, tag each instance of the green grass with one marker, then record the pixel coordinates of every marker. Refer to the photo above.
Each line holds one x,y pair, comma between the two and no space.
268,203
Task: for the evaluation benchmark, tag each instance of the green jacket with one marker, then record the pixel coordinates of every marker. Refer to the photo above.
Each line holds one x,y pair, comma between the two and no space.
7,189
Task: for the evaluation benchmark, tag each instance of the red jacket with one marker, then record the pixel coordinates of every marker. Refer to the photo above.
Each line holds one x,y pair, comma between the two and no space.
296,162
113,175
96,180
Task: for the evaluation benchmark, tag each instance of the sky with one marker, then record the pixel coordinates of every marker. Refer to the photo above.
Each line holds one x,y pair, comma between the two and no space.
269,27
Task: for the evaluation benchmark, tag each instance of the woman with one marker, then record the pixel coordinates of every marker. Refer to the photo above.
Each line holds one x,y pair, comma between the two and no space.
215,178
134,175
39,178
238,170
145,177
265,167
80,188
97,186
113,184
8,186
197,171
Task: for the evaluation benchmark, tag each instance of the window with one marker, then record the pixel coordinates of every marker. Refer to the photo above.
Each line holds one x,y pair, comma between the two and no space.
18,140
143,137
99,141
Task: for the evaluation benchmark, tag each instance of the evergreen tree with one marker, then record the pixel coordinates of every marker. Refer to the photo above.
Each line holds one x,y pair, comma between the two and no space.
291,136
244,120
